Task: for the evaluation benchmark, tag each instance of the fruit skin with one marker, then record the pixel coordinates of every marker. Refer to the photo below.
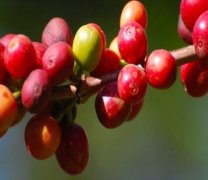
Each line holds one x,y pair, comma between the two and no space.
40,50
8,108
6,38
73,154
194,76
20,56
109,62
3,72
184,33
161,69
58,62
88,46
114,47
111,110
135,109
132,43
190,10
42,136
200,35
56,30
36,91
134,11
132,84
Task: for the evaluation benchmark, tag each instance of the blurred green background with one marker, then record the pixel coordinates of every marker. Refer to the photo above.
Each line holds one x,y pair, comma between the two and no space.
167,141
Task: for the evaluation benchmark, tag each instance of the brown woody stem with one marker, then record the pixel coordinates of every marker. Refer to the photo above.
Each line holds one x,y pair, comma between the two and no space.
90,85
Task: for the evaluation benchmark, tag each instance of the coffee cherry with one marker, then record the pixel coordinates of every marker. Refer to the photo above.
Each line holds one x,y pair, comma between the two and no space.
190,10
132,43
134,11
161,69
200,35
58,62
114,47
8,108
108,63
6,38
111,110
135,109
3,72
88,46
73,154
20,56
42,136
40,50
132,84
184,33
36,91
56,30
194,76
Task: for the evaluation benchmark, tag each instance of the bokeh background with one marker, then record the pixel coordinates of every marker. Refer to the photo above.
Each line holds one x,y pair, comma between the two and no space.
167,141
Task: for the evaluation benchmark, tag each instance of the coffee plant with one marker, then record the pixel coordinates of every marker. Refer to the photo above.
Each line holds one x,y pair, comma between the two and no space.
51,78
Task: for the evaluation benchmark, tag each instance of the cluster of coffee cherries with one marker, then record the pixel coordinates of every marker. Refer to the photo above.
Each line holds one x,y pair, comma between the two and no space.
30,73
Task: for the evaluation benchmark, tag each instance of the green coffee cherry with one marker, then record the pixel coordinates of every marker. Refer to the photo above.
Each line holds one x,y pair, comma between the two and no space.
88,47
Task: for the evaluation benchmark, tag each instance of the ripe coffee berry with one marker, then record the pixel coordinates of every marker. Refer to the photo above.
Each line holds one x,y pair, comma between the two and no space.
40,50
73,152
135,109
194,76
132,43
42,136
161,69
134,11
57,30
190,10
111,110
6,38
132,84
20,56
58,62
3,72
36,91
200,35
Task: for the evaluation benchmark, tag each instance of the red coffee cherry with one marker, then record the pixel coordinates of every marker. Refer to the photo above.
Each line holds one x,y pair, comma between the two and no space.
40,50
36,91
108,63
200,35
6,38
132,84
73,154
8,108
20,56
57,30
184,33
42,136
132,43
135,109
190,10
161,69
3,72
134,11
111,110
194,76
58,62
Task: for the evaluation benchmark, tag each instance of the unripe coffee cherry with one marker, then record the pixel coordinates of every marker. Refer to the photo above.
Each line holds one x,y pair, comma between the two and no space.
8,108
36,91
132,43
134,11
190,10
194,76
57,30
111,110
88,46
42,136
20,56
200,35
73,152
132,84
161,69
